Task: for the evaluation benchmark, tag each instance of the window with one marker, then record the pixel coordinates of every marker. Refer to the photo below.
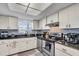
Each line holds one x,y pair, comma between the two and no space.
25,26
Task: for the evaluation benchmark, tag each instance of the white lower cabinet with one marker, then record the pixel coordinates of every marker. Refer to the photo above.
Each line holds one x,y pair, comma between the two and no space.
12,46
4,50
32,43
67,50
21,46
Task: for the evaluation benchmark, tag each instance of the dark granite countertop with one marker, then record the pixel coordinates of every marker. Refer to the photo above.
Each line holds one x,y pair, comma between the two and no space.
16,37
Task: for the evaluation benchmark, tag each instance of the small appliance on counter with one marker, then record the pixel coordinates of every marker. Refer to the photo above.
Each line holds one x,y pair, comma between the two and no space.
72,38
4,34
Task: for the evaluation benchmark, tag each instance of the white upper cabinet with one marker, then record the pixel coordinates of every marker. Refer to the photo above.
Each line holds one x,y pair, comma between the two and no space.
3,22
13,23
52,18
8,22
63,18
74,16
42,24
69,17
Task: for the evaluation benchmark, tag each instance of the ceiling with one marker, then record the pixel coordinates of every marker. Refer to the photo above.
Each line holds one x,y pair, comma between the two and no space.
33,11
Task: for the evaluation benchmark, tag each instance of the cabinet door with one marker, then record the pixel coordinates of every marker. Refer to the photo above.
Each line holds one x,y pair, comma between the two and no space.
29,44
3,22
21,45
43,24
64,18
13,23
52,18
32,43
4,50
13,47
74,16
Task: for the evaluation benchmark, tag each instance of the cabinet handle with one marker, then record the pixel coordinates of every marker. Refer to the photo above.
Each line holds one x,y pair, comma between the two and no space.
66,26
69,25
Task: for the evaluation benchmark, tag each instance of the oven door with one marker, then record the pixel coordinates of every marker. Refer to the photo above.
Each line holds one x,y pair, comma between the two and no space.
48,46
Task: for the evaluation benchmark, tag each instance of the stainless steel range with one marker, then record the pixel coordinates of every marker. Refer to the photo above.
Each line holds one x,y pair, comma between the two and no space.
47,46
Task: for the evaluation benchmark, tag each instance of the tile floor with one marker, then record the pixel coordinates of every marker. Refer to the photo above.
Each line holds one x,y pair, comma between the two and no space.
34,52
